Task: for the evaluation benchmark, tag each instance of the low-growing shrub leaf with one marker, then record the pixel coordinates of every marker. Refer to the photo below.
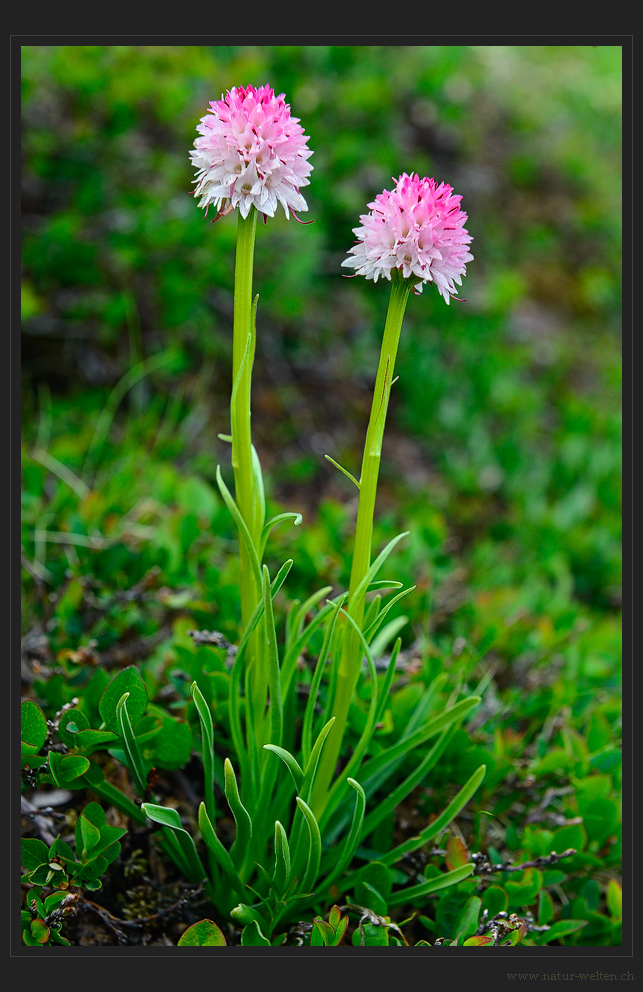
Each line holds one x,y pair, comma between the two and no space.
66,768
128,680
33,726
33,852
560,929
205,933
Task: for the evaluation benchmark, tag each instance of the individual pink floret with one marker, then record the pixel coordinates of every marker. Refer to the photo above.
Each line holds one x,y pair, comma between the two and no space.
418,228
251,151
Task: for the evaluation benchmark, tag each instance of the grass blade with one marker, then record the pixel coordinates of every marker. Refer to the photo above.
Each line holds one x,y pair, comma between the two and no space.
442,821
281,876
132,751
219,852
242,820
207,738
291,763
242,527
314,850
433,885
309,714
351,842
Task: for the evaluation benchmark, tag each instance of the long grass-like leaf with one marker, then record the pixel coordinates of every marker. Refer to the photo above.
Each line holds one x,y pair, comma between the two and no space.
242,527
260,496
134,757
313,761
433,885
269,524
222,857
234,698
290,762
386,806
241,844
306,606
207,738
402,747
371,629
169,817
309,714
338,789
296,647
388,679
351,841
281,876
344,470
314,850
418,720
274,675
441,822
377,564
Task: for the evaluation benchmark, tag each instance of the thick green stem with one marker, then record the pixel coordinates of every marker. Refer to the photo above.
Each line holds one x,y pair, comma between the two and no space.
351,657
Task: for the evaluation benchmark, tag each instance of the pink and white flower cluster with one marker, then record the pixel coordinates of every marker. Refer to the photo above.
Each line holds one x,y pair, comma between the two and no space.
419,228
252,152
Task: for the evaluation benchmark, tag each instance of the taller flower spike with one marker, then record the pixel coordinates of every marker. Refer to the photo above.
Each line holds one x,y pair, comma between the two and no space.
251,152
418,228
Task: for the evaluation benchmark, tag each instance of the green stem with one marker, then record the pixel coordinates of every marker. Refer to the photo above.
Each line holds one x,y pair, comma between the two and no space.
351,657
247,496
240,413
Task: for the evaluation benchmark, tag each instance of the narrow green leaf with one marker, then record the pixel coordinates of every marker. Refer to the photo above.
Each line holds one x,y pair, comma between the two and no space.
281,874
563,928
259,493
371,629
307,727
242,527
291,763
311,766
430,728
269,524
169,817
393,800
214,845
241,816
95,780
207,739
377,564
314,852
350,844
134,757
344,470
433,885
274,675
442,821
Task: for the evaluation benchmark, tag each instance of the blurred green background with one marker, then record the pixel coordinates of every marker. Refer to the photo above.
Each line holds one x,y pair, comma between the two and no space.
502,454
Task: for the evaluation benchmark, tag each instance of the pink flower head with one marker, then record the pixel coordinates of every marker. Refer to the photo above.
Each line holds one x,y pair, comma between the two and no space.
418,228
251,151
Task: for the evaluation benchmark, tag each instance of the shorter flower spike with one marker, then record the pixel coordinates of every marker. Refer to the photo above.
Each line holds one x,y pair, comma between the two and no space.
418,228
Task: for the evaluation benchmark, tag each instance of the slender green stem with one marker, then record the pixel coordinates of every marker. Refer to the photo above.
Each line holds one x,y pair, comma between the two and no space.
351,657
240,412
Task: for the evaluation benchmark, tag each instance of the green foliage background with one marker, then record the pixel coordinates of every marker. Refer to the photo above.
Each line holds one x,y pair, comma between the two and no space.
502,455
